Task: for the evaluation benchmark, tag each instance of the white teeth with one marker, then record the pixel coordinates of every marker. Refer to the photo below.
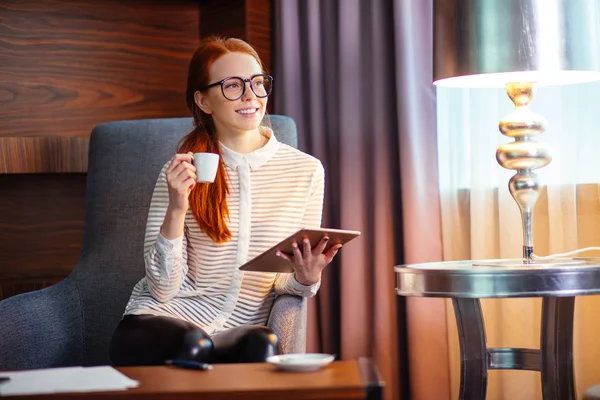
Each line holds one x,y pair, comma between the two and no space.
247,111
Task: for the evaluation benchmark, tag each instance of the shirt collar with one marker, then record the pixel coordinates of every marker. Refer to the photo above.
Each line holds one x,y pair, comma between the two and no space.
255,159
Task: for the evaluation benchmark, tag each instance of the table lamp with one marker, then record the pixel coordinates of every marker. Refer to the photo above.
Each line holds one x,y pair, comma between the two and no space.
518,44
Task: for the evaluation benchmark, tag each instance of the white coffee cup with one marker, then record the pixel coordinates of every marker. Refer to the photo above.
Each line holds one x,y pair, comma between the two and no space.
206,166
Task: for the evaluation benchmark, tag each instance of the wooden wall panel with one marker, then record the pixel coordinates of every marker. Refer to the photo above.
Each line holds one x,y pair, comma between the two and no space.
259,28
39,154
41,226
67,65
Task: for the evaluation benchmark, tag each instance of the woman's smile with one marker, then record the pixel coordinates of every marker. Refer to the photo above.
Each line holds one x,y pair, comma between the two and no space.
248,111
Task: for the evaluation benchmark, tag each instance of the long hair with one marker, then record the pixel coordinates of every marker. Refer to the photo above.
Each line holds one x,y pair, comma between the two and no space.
208,201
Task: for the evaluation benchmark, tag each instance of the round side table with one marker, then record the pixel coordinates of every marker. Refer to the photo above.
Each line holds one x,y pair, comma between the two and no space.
465,282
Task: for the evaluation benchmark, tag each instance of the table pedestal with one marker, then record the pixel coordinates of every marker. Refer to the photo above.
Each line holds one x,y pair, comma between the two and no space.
554,359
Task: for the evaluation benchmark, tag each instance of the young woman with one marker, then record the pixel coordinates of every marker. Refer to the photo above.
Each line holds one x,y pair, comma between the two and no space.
194,303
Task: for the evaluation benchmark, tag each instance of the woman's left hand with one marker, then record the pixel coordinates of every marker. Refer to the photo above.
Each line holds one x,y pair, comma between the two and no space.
309,262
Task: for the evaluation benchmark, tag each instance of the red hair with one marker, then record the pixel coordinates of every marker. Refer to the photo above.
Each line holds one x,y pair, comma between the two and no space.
208,201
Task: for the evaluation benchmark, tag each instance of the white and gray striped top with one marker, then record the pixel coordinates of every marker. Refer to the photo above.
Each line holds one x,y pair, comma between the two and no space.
273,192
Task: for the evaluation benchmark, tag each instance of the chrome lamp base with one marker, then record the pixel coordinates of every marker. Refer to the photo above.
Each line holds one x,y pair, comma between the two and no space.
523,155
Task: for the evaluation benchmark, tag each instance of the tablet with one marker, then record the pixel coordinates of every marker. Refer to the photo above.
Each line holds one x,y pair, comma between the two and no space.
269,262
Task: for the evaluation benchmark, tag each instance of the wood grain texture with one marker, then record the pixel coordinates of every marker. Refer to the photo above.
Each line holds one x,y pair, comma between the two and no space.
39,154
68,65
249,20
259,29
41,226
259,33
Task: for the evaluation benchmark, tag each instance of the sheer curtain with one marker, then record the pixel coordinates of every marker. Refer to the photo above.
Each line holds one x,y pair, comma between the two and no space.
481,220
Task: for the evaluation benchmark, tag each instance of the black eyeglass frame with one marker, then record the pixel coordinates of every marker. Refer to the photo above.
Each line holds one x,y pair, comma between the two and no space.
249,80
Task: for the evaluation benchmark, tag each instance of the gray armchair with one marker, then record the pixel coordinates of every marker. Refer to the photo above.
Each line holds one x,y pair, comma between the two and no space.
71,323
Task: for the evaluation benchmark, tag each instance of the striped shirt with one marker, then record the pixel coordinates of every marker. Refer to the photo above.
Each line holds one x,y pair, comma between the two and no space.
273,191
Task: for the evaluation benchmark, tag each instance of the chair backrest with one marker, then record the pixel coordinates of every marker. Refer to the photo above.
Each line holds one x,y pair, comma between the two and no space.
124,161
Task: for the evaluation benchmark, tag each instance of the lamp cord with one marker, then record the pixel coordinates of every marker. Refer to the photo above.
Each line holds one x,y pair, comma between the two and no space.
570,253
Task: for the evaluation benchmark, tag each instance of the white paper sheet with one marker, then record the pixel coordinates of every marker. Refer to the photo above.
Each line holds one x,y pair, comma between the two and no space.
64,380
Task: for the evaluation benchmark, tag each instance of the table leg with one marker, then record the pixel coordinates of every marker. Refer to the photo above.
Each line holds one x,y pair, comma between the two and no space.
557,348
473,352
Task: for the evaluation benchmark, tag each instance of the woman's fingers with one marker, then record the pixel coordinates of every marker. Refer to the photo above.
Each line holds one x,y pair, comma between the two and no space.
182,181
176,161
332,252
306,248
321,245
184,173
180,173
307,260
183,166
284,256
189,183
296,250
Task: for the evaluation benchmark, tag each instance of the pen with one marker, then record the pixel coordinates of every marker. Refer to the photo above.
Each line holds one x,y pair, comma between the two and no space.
189,364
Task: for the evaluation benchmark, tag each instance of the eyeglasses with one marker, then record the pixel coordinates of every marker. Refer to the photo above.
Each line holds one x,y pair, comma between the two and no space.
233,87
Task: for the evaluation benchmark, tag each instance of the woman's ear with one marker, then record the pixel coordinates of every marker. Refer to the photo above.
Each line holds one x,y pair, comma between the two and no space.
202,102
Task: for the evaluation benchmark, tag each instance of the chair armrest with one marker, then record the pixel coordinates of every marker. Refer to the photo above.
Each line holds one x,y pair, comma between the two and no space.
288,321
41,329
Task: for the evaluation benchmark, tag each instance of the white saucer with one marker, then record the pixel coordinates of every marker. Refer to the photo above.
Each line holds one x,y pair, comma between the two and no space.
301,362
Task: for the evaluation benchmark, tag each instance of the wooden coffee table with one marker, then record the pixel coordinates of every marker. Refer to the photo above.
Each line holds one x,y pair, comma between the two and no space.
339,380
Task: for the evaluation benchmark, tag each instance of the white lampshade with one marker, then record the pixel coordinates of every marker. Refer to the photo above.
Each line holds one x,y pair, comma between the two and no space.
487,43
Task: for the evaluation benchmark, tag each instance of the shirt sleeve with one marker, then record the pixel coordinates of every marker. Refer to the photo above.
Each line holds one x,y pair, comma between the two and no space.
165,260
287,283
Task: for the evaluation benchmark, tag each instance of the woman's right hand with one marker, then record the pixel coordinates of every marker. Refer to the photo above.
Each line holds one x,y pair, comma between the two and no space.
181,179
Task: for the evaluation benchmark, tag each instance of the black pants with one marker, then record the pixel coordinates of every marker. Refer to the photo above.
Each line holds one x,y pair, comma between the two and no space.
151,340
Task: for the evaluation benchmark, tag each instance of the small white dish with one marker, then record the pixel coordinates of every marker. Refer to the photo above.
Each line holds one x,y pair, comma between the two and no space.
301,362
